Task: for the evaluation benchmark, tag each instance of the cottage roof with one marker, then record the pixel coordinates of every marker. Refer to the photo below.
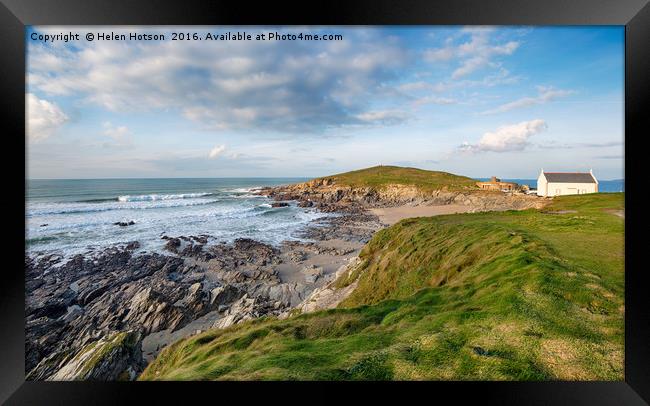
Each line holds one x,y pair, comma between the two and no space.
569,177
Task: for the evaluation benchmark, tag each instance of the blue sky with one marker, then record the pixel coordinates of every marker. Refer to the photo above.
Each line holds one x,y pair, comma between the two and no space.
477,101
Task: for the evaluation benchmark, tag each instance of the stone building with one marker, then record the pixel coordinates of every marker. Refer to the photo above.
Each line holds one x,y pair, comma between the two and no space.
496,184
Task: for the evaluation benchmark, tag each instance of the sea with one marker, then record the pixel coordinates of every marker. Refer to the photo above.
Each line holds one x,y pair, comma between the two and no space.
78,216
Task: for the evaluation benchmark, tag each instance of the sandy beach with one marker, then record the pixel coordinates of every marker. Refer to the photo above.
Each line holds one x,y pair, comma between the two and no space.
391,215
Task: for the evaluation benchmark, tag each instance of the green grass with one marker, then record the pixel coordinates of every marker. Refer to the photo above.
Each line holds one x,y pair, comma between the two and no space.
381,176
518,295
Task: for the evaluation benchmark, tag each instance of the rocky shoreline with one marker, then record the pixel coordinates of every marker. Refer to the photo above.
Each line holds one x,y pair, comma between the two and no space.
105,316
326,195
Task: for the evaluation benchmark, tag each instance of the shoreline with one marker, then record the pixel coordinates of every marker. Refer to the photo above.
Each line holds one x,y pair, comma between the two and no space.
196,285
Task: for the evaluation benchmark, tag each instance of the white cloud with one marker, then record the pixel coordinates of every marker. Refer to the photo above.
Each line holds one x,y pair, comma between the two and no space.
43,118
433,100
120,135
299,87
420,93
469,66
506,138
440,54
545,94
216,151
422,86
473,55
117,133
414,86
384,117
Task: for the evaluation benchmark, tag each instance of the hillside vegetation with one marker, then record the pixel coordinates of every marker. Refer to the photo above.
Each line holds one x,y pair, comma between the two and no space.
379,176
517,295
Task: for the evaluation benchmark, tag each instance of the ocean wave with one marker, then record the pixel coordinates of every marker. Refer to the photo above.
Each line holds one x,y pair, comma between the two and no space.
100,200
155,197
246,196
41,239
71,208
241,190
83,221
72,235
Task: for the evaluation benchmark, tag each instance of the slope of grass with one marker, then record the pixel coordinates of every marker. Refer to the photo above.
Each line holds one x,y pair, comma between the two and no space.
532,295
380,176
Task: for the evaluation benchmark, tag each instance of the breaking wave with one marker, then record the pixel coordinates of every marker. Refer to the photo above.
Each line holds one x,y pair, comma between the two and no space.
155,197
70,208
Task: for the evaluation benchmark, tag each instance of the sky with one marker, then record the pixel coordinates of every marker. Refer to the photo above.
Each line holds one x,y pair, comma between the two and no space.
475,101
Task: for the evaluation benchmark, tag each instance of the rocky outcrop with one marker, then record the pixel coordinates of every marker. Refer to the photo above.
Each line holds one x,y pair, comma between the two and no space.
246,308
326,195
77,305
355,224
312,273
114,357
124,223
328,296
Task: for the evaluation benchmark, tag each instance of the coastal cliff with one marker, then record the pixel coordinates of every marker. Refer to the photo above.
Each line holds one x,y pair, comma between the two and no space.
386,186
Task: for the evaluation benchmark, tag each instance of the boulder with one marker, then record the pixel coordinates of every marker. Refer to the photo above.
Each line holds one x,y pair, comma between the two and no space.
52,310
133,245
245,308
223,295
117,356
73,312
172,244
92,293
149,310
297,256
202,239
124,223
312,273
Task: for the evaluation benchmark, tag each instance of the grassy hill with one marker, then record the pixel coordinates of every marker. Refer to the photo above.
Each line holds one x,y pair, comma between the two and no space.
379,176
526,295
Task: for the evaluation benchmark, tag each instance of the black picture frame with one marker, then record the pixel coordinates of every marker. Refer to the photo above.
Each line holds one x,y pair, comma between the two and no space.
16,14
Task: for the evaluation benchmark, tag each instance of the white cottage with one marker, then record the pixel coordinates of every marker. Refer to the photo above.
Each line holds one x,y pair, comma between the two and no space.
566,183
